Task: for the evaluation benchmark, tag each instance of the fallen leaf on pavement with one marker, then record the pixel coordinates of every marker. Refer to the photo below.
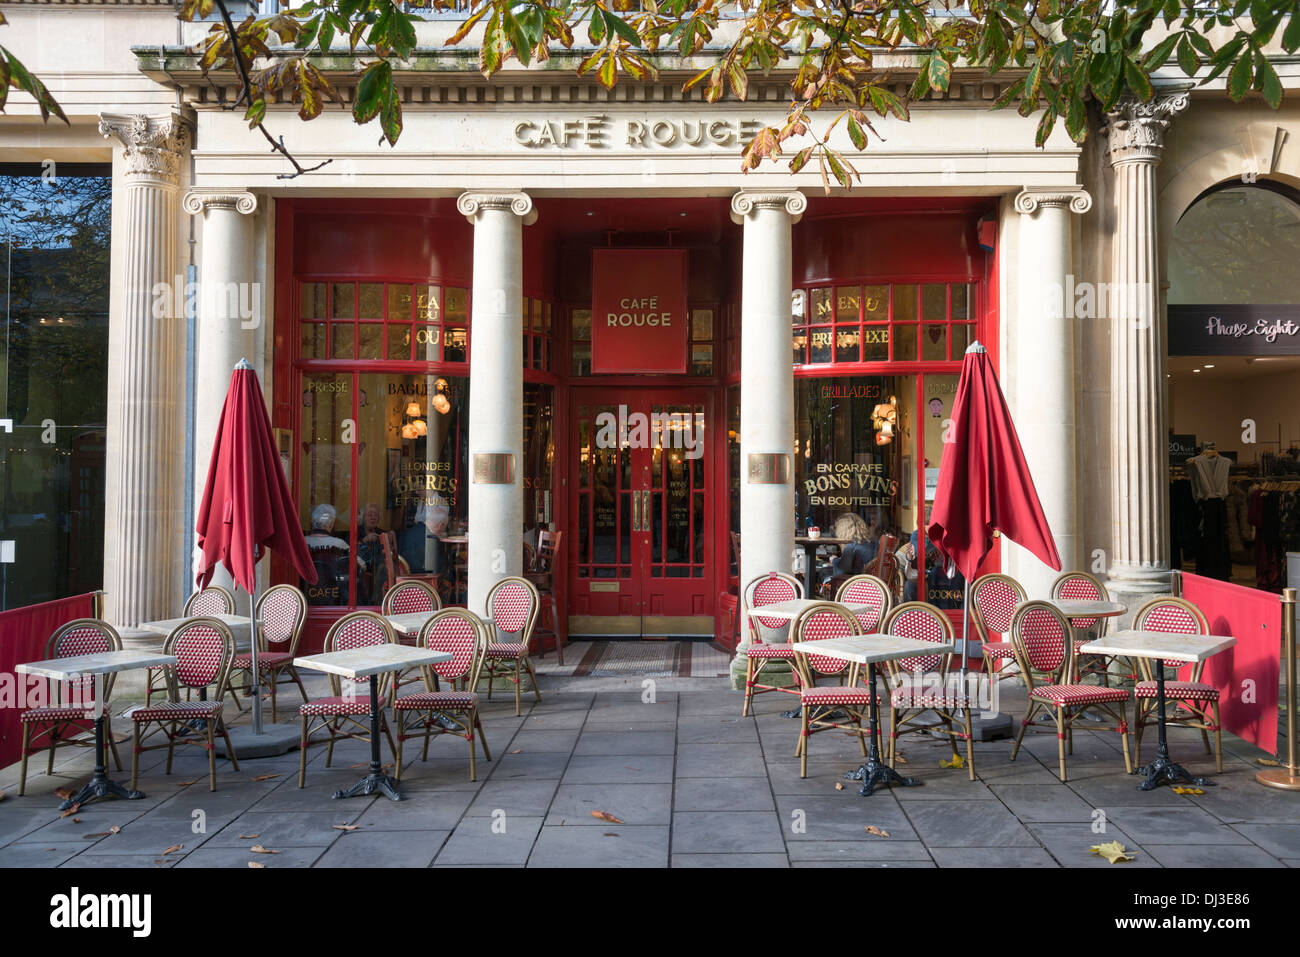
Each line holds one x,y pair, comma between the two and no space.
879,832
248,837
259,849
115,829
957,762
606,816
517,751
346,827
1185,791
266,777
610,834
1113,851
839,785
71,811
900,758
64,793
185,784
173,849
1269,763
76,820
256,864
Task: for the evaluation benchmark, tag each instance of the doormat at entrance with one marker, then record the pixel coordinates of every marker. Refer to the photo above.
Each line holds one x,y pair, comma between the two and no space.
654,659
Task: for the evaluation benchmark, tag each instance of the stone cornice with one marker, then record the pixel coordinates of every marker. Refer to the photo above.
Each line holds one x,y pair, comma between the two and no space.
521,204
1032,198
201,200
746,201
1135,131
152,145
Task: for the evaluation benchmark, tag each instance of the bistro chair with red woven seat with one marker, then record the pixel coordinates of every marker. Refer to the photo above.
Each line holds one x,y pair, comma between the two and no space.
769,638
511,608
346,712
213,600
832,708
1044,645
461,634
542,574
1195,703
281,611
70,709
204,650
870,591
1080,586
993,601
409,598
920,685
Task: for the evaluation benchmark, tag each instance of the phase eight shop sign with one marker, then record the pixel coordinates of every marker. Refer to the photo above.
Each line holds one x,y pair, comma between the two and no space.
638,310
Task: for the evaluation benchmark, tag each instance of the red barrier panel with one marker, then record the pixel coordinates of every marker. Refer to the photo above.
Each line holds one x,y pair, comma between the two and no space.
24,633
1247,674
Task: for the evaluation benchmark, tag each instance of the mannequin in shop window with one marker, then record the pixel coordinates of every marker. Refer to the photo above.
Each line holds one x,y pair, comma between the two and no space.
1208,473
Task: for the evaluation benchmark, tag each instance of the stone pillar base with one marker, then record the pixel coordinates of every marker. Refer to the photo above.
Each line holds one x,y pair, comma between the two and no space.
776,672
1135,591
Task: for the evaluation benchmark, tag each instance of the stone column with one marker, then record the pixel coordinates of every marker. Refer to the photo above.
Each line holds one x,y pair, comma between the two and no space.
496,391
229,311
144,534
1139,456
767,513
1045,369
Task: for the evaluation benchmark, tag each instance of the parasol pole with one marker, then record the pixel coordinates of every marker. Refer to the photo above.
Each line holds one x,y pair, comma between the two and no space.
245,366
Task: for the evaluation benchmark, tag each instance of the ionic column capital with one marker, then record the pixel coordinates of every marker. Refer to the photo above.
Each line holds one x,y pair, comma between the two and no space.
153,145
1032,198
474,202
746,201
201,200
1135,129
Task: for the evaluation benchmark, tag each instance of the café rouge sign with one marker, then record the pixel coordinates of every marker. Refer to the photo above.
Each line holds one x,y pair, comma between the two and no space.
639,318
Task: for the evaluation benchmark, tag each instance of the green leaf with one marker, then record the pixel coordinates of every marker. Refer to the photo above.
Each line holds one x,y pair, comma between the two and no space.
1267,81
858,137
800,159
1045,126
1136,78
1240,77
371,87
1160,53
608,73
255,113
1188,61
1076,120
938,73
1291,36
390,118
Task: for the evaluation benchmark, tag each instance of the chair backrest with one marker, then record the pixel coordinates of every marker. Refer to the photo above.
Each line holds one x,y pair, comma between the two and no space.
512,606
770,589
924,622
993,601
410,597
870,591
213,600
360,629
388,541
203,648
281,611
530,557
817,623
548,547
84,636
1177,616
461,633
1044,642
1080,586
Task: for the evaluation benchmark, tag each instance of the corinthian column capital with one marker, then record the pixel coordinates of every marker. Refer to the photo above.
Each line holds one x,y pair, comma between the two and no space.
746,201
1032,198
521,204
153,145
201,200
1135,129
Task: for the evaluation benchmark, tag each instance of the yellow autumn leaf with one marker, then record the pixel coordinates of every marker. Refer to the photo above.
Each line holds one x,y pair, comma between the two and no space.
1113,851
1269,762
957,762
1178,790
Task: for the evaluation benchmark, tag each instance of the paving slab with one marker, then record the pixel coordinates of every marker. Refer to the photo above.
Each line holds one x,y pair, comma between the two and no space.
731,861
966,824
496,839
384,849
632,804
625,742
1046,803
609,846
1172,825
620,769
709,794
866,851
1280,840
513,798
727,832
984,857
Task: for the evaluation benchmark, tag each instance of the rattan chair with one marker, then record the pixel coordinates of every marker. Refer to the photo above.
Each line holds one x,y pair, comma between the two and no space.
70,711
832,708
213,600
458,632
204,650
511,609
870,591
920,685
1195,703
993,602
1081,586
542,573
347,715
768,637
1044,645
409,598
281,611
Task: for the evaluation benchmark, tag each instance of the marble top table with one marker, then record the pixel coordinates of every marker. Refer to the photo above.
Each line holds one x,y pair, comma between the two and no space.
370,662
97,665
239,627
1162,646
1074,608
790,610
869,650
408,624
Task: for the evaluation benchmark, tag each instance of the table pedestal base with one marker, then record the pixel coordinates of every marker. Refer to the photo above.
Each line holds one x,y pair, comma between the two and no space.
874,773
375,781
99,787
1163,771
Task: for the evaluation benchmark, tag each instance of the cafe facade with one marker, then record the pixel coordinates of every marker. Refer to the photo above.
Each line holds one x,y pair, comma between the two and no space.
555,307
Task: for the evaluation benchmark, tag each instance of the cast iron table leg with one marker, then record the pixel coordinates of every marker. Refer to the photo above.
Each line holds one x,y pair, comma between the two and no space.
875,771
1162,770
99,785
376,780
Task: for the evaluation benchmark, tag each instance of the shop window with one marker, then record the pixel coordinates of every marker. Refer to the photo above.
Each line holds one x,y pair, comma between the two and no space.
702,340
581,326
930,322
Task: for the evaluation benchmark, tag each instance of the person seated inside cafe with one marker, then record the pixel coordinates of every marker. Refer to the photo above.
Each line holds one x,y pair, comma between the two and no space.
329,554
421,544
370,549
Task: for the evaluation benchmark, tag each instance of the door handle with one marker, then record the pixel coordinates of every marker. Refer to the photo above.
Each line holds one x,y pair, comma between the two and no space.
636,511
645,511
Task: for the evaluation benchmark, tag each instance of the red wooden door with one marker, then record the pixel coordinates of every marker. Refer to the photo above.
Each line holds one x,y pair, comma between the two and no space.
640,494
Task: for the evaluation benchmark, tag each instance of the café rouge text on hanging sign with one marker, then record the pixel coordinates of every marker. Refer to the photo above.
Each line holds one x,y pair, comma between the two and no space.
638,310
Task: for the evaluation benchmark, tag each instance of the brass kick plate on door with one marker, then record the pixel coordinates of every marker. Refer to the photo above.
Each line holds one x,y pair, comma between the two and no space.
603,586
